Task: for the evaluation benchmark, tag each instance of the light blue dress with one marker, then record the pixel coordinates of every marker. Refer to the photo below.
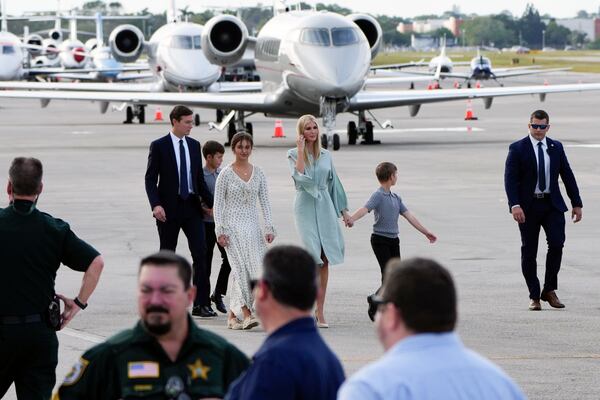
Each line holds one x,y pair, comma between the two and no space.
320,200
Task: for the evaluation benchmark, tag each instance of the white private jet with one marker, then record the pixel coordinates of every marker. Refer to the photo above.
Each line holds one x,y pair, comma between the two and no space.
309,62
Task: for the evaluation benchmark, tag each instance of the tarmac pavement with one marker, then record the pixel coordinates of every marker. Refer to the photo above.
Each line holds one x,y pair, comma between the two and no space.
450,177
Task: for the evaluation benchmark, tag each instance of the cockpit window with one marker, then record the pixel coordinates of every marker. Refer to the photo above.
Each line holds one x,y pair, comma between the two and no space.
8,49
197,41
181,42
344,36
315,36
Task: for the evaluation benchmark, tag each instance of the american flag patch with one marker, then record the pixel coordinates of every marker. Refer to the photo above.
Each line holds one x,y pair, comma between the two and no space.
142,369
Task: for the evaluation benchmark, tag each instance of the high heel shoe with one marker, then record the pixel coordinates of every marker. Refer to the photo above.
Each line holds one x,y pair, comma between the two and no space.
322,325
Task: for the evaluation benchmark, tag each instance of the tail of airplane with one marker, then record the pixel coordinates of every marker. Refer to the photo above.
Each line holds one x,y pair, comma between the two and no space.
172,15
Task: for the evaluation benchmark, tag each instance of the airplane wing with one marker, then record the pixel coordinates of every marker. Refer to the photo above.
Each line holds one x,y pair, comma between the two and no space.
391,80
508,74
59,70
399,66
218,87
442,74
253,102
367,100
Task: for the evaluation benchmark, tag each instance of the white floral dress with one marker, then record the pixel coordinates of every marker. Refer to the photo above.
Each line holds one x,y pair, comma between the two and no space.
236,215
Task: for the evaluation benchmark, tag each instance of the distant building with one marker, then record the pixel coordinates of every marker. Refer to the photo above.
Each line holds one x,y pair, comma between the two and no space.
589,26
452,24
423,43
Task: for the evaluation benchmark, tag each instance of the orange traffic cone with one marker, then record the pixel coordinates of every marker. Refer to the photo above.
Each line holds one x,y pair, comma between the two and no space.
478,85
278,129
469,114
158,114
429,86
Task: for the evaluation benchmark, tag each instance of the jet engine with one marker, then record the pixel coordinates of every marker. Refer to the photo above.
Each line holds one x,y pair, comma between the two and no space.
126,43
50,49
34,40
55,35
372,30
224,40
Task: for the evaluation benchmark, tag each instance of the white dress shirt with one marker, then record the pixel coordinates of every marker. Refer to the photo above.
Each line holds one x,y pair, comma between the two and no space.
175,141
534,143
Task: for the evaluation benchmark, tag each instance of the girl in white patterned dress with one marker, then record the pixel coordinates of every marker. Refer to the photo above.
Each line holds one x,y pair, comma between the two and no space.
239,187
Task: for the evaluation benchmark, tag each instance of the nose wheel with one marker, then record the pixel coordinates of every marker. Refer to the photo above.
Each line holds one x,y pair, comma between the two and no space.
333,139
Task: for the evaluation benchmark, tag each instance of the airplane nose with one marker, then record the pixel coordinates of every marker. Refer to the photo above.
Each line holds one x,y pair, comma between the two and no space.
190,68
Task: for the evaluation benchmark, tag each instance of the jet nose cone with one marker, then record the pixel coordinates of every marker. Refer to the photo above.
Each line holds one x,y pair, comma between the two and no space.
190,68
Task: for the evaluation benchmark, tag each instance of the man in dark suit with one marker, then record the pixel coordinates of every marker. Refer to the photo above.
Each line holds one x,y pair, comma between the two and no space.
533,166
175,187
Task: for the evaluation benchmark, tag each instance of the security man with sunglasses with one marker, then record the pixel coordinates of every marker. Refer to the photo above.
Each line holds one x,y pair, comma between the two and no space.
533,167
165,356
33,245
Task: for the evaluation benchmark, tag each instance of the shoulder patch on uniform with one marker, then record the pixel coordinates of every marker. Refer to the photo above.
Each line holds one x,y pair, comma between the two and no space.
75,374
143,369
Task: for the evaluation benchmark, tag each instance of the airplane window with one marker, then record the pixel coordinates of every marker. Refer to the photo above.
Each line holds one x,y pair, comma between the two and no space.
181,42
7,49
343,36
315,36
197,41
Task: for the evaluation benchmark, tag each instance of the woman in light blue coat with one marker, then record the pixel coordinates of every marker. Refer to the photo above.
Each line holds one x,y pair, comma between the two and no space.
320,201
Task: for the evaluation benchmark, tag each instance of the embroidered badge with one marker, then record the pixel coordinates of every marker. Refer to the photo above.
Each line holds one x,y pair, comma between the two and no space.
199,370
76,372
143,369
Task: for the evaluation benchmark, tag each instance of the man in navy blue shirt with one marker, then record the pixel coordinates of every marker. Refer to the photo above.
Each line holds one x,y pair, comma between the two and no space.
294,362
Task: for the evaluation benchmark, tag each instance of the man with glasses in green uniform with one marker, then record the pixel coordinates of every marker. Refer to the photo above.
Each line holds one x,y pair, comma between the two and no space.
33,245
165,356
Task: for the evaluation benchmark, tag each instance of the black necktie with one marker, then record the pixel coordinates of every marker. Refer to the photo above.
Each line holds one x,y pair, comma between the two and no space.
184,190
541,168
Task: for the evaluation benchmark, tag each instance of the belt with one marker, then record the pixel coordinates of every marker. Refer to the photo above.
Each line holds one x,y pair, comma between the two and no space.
541,195
21,319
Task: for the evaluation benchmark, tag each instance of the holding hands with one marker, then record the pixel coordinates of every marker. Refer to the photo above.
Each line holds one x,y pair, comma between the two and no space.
348,221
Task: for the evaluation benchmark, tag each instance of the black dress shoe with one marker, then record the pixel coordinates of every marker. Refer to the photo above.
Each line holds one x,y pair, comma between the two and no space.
218,300
203,312
372,308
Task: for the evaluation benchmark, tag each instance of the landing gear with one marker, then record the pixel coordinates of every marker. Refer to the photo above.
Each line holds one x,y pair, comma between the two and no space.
197,119
237,124
324,141
128,115
220,116
336,141
249,128
139,112
230,132
368,134
352,133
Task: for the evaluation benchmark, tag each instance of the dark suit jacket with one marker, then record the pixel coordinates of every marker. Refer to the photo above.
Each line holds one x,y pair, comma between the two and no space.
162,175
520,175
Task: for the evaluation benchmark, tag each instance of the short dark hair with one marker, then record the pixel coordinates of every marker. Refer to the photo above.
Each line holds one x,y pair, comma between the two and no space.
25,175
539,114
211,148
179,111
424,293
291,275
168,258
242,136
384,171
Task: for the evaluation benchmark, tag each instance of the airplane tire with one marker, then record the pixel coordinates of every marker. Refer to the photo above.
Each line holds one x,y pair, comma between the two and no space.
142,115
230,132
369,133
197,119
249,128
336,142
352,133
324,141
219,116
128,115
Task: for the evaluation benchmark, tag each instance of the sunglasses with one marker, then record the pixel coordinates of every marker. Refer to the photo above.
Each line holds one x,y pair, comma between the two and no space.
378,301
539,126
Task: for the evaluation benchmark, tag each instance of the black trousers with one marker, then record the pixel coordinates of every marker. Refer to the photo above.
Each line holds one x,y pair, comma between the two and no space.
223,278
385,249
188,219
28,357
541,214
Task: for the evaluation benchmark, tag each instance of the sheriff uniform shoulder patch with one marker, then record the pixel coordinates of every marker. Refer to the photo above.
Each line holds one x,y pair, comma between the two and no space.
75,374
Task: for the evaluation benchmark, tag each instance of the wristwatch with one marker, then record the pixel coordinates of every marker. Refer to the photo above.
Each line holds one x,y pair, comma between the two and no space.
79,303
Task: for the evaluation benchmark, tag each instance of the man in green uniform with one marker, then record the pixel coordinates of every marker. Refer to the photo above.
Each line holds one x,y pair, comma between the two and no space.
33,244
165,356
